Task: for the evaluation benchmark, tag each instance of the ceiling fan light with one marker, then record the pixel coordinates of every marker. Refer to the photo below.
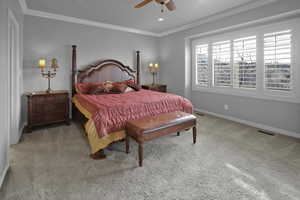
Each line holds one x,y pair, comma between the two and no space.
160,19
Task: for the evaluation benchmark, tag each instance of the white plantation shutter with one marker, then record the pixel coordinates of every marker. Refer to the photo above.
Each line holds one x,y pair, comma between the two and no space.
202,70
222,69
257,62
244,65
277,60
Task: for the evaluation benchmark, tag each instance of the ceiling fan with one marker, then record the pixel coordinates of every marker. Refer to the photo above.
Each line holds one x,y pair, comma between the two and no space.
168,3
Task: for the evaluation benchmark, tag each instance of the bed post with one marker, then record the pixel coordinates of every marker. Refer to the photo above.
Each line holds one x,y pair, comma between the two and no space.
74,73
138,63
74,68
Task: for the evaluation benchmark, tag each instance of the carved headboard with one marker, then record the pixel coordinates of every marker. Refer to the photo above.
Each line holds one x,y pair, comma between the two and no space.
105,70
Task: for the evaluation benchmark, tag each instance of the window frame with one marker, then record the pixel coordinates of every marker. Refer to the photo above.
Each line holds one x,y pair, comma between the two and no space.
196,65
259,92
293,65
223,42
233,61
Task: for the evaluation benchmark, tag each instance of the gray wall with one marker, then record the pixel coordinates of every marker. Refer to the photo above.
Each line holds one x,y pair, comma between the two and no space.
4,86
50,38
172,57
53,39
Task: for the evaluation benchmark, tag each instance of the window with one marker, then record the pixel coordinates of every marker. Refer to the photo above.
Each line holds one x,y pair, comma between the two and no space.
202,70
277,60
221,64
258,62
244,66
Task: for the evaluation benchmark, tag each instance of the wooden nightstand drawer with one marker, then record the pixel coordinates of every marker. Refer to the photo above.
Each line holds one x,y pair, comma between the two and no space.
36,118
46,108
38,109
55,117
61,98
55,107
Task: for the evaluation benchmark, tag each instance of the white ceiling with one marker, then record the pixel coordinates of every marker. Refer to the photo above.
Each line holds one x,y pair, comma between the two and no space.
123,13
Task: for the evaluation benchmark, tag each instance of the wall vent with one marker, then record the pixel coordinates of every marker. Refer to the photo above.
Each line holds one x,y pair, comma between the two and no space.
266,132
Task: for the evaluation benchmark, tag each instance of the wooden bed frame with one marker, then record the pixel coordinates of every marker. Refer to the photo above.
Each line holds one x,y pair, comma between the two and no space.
103,70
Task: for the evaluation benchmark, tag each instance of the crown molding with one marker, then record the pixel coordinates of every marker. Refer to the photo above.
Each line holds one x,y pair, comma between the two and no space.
87,22
64,18
211,18
23,5
247,24
232,11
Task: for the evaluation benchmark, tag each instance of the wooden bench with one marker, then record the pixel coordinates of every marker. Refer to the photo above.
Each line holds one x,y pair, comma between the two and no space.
150,128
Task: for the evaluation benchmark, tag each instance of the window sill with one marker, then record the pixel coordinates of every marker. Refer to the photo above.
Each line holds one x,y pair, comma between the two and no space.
251,93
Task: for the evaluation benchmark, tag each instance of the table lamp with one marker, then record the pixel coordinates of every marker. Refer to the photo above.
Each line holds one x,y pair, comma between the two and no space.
50,71
153,68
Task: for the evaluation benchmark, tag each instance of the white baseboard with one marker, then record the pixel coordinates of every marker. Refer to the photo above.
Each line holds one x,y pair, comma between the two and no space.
24,124
253,124
4,174
21,129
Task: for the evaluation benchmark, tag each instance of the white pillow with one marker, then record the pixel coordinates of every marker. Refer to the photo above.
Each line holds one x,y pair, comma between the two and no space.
128,89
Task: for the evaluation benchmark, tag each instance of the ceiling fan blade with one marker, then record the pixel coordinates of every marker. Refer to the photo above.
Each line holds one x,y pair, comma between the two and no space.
143,3
171,5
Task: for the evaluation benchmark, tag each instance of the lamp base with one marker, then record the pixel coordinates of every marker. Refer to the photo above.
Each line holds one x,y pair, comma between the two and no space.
153,80
49,85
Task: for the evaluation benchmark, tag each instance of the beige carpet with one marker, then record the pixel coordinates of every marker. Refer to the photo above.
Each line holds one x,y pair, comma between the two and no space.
230,161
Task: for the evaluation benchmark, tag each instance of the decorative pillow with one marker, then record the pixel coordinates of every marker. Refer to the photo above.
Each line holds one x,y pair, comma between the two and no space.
129,89
83,88
133,85
108,86
119,87
98,89
129,81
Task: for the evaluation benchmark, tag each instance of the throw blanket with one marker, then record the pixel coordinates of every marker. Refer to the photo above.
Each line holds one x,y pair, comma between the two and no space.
111,111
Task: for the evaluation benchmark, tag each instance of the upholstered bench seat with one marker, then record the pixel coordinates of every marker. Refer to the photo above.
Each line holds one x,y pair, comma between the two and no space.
150,128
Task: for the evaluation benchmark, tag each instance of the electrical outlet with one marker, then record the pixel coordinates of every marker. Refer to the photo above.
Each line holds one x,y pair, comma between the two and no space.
226,107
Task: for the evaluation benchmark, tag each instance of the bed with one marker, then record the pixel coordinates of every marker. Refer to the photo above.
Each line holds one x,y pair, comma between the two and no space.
104,116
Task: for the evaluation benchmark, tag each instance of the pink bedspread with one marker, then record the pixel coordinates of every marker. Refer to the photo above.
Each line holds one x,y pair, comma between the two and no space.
111,111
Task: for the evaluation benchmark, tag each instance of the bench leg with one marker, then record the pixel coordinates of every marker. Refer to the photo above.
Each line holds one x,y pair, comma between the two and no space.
178,133
141,149
127,143
194,134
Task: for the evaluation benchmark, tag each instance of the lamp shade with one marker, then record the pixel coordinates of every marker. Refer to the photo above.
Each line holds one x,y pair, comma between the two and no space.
42,63
54,63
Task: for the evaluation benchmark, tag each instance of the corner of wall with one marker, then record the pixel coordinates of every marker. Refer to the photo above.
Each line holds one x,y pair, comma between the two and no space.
3,175
187,70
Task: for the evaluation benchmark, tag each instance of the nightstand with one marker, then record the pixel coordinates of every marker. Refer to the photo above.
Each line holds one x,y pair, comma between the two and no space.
47,108
155,87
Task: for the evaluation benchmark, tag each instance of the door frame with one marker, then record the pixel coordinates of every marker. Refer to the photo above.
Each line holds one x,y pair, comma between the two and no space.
14,94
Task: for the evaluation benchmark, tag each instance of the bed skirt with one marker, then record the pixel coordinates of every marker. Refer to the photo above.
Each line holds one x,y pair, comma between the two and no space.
95,142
